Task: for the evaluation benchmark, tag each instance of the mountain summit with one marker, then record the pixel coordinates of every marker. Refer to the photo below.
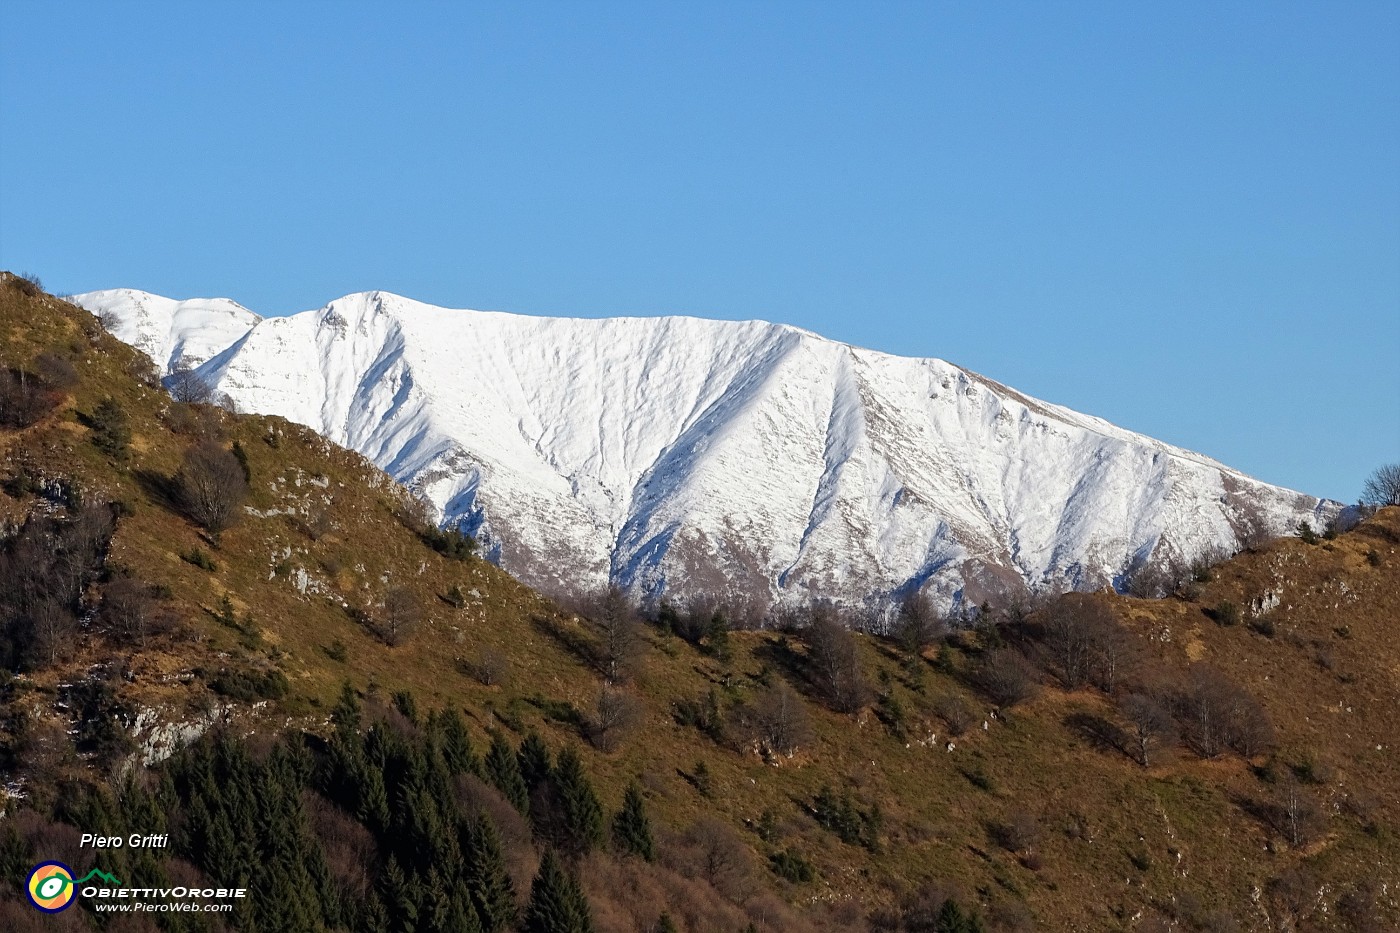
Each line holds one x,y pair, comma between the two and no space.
681,456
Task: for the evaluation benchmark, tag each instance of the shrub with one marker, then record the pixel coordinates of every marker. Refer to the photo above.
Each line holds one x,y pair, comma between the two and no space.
1227,614
449,542
247,686
701,713
27,284
56,372
791,866
1305,531
24,483
200,559
241,456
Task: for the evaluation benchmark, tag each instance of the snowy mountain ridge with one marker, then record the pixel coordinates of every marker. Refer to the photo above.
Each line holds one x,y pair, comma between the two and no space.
684,456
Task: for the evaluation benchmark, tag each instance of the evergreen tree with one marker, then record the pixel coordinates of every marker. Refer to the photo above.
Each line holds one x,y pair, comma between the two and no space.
373,918
536,764
953,919
717,637
401,897
111,431
484,871
631,828
580,812
405,703
503,770
346,714
457,749
461,917
664,924
557,905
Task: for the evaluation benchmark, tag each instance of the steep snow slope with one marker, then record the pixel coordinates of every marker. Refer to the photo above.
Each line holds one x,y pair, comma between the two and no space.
681,455
171,332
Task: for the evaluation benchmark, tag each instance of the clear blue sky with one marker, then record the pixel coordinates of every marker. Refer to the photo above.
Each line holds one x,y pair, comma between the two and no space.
1182,217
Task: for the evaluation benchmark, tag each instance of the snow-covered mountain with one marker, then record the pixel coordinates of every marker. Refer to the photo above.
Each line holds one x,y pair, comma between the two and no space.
683,456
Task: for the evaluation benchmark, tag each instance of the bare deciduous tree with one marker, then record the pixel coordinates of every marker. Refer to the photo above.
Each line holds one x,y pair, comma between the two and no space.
186,385
718,855
1087,644
834,661
954,711
1150,724
402,612
918,626
617,712
1217,713
1382,487
1296,813
211,487
53,627
132,610
780,720
491,667
24,398
620,637
1006,677
1114,653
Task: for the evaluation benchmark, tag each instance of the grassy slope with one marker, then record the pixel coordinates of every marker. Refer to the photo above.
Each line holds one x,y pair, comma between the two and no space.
1332,698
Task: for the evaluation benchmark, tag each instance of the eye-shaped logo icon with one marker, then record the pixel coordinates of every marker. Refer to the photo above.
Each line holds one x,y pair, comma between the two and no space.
50,887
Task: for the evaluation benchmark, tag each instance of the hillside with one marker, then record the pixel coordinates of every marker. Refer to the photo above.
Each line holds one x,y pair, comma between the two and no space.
796,777
675,455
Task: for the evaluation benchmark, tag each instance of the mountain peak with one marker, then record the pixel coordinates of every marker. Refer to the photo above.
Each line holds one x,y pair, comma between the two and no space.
679,455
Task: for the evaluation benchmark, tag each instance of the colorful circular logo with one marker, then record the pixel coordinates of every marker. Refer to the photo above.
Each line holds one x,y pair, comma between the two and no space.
50,887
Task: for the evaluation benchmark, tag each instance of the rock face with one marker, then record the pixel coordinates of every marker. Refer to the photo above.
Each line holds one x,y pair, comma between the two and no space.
681,456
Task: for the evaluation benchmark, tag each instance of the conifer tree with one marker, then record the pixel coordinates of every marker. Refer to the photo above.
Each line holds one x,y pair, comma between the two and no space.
557,905
581,813
503,770
111,431
457,749
484,870
461,916
346,714
953,919
536,763
373,918
401,898
631,828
